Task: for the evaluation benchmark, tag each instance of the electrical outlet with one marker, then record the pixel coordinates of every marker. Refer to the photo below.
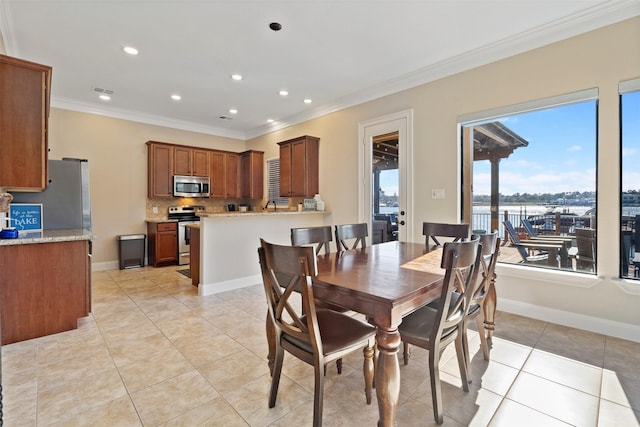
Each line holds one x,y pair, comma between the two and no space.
155,209
437,193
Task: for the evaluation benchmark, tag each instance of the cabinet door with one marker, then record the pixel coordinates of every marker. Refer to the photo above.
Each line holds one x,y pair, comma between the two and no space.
160,163
298,169
232,175
24,114
252,172
200,163
285,170
217,187
182,161
167,246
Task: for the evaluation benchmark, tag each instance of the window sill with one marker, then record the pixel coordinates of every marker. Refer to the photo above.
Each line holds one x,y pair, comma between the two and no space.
556,277
629,286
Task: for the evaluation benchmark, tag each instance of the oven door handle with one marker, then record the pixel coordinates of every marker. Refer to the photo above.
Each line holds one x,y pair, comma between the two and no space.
187,234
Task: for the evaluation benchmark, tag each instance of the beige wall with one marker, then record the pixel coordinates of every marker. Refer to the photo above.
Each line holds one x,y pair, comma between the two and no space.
599,59
117,157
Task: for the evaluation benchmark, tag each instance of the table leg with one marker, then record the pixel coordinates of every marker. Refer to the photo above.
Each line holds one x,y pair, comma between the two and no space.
271,342
489,307
387,376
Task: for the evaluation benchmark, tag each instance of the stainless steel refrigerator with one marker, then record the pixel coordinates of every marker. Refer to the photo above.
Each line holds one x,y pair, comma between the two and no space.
65,202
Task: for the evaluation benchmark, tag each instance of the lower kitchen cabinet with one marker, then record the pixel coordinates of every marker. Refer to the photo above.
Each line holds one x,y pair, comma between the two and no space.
45,288
163,243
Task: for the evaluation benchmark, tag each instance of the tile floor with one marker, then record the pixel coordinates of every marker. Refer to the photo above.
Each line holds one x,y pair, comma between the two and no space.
153,353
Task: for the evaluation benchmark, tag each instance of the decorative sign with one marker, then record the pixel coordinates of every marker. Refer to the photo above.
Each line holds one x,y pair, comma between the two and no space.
26,216
309,205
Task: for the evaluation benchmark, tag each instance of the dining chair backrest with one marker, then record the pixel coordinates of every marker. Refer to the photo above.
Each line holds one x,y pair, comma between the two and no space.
434,230
490,247
321,236
345,232
461,261
285,270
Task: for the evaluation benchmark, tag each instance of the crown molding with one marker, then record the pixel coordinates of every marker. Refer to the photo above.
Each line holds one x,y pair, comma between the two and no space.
136,116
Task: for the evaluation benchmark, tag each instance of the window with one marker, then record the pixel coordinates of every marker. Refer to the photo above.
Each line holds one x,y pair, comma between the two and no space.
531,174
630,179
273,182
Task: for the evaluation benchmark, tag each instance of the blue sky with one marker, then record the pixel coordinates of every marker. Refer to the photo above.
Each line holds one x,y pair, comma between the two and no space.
560,156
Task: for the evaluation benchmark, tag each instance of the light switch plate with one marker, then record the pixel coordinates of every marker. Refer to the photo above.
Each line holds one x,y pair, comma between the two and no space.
155,209
437,193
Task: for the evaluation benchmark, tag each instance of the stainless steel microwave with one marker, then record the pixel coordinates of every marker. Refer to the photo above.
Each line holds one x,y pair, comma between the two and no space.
190,186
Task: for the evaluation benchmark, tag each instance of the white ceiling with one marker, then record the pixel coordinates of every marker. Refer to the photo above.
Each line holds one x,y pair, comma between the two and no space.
338,53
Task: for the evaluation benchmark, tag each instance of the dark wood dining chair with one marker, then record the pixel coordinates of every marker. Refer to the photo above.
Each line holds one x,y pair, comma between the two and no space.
435,328
316,337
321,236
434,230
489,250
345,232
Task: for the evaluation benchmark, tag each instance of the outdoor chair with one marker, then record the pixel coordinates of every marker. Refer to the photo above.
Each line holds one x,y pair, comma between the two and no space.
586,245
435,328
550,248
315,336
434,230
346,232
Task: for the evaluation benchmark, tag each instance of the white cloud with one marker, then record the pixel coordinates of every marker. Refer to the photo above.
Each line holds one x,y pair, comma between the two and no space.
575,148
629,152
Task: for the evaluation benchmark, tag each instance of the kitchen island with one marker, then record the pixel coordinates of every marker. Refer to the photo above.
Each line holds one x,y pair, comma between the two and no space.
45,283
229,244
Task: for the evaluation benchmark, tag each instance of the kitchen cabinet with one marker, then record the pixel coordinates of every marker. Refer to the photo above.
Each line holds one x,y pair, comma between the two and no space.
190,161
25,89
46,288
299,169
160,158
225,175
162,243
252,167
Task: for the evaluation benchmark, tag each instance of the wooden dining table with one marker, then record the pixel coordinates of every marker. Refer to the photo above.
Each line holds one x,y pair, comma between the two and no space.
384,282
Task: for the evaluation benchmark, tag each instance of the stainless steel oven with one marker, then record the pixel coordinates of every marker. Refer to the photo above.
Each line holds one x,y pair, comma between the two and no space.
185,215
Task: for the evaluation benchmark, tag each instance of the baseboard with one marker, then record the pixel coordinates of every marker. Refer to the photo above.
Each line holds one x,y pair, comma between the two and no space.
574,320
228,285
107,265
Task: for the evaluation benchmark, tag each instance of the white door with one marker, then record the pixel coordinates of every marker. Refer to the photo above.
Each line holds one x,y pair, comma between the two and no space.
395,185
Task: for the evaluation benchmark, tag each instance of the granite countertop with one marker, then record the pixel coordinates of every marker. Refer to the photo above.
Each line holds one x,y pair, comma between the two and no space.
155,220
48,236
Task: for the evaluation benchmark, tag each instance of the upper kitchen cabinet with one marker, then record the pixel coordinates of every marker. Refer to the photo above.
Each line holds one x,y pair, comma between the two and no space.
25,89
299,167
225,175
252,174
190,161
160,167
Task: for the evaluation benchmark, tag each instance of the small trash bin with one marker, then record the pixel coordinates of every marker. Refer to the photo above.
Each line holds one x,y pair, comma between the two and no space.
131,250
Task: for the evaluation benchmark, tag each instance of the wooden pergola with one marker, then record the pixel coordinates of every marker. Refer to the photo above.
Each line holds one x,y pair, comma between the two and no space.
494,141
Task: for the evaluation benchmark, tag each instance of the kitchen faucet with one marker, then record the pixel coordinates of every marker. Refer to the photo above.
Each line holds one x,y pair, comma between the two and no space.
275,207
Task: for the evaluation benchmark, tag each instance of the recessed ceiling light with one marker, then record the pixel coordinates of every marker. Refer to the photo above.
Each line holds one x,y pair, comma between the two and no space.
269,120
284,93
176,97
104,97
308,101
233,111
236,77
130,50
